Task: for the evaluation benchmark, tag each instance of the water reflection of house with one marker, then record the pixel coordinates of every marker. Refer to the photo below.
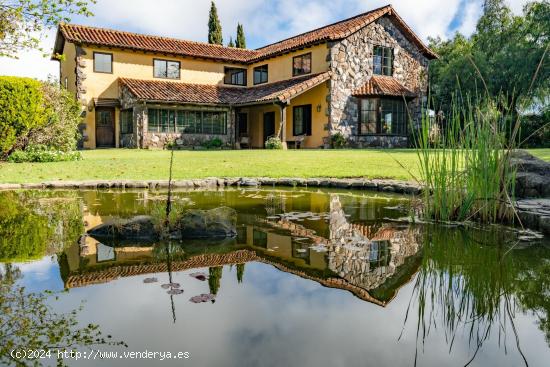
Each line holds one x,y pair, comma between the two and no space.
370,260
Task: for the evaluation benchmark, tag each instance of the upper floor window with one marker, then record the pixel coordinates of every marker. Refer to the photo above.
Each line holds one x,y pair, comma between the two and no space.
235,76
301,65
103,62
166,69
383,60
260,74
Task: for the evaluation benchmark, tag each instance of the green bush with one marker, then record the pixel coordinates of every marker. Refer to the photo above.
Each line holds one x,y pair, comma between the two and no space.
535,130
214,143
338,141
22,108
274,143
42,153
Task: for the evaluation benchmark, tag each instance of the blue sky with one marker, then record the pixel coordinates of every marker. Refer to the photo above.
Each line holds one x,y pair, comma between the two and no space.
264,21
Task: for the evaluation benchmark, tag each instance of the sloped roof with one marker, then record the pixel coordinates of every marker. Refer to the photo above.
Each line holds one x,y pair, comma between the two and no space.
134,41
379,85
175,92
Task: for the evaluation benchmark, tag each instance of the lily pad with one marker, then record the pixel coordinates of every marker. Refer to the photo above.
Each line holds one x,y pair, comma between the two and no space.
150,280
170,285
200,276
175,291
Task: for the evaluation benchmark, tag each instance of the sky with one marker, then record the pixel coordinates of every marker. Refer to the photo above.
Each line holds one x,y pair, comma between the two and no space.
264,22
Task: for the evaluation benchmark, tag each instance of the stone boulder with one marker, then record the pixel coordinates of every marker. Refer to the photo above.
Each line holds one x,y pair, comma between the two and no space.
140,228
215,223
533,176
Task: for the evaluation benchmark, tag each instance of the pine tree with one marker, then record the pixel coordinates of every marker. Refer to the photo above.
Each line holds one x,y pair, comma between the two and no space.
241,40
214,27
231,43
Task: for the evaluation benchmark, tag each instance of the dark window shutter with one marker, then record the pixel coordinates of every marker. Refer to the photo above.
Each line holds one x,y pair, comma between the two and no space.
307,118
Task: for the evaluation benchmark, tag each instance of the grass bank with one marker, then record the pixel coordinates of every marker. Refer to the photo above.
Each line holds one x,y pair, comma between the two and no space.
124,164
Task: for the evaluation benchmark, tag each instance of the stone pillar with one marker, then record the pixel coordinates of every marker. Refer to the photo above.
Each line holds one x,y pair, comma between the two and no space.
232,127
140,124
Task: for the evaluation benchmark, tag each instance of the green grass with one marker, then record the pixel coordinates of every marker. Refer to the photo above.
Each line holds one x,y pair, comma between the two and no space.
153,164
543,154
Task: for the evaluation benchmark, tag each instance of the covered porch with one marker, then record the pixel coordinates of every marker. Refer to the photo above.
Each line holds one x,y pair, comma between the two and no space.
156,113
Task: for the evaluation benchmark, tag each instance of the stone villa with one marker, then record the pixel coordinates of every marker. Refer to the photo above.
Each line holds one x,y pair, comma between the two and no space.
361,77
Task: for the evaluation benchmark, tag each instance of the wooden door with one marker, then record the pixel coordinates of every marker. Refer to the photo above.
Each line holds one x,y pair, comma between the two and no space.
105,127
269,125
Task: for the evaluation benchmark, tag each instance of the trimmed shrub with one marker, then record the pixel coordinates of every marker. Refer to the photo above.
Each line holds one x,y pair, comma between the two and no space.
338,141
22,108
214,143
42,153
274,143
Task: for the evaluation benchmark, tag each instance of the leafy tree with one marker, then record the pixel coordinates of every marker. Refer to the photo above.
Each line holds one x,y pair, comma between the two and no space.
507,55
61,128
214,27
28,322
241,40
22,22
231,43
214,278
22,109
240,272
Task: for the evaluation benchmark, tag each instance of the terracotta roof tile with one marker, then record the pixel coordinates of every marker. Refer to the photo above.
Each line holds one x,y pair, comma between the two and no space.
379,85
134,41
175,92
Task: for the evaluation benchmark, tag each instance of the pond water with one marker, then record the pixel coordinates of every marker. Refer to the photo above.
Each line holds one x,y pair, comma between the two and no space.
312,278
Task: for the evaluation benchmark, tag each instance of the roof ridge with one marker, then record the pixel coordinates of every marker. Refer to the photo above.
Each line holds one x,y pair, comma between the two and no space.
325,26
63,24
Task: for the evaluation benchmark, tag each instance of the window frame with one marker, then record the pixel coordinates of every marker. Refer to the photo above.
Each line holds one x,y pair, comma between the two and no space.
122,113
307,125
294,73
167,61
95,64
241,70
383,57
181,121
266,66
403,115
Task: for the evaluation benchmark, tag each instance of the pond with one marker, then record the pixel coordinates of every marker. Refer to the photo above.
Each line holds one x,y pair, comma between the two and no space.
311,278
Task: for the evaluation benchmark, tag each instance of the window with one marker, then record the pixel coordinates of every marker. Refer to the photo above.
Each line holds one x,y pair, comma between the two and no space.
103,62
301,65
187,122
260,74
234,76
383,60
382,116
166,69
302,120
126,121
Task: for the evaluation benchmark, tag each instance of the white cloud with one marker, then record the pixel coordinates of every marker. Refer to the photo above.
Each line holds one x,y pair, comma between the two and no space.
32,64
264,21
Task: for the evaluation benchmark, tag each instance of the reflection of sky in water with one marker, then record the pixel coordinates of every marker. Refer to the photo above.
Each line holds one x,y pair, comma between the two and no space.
41,275
271,319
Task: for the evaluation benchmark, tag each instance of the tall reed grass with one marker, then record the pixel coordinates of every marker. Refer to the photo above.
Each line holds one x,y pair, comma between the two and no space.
465,168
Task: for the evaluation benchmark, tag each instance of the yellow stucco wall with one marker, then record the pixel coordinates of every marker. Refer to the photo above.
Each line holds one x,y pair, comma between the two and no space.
67,68
280,68
315,97
140,66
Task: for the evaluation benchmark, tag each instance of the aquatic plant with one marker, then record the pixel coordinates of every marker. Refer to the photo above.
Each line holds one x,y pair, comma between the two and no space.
466,170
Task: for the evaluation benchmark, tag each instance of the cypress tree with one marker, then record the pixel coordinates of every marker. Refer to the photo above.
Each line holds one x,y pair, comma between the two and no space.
214,27
241,40
231,43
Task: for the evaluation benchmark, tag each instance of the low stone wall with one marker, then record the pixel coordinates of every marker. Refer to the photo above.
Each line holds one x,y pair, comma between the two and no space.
400,187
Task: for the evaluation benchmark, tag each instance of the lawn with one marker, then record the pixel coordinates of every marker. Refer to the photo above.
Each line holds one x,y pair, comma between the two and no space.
153,165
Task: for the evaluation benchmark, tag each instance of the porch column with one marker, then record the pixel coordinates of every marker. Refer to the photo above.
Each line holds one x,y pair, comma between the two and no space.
282,124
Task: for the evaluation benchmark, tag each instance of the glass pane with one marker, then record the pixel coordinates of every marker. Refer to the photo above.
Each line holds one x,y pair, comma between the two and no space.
377,65
160,69
153,120
207,123
102,63
173,71
163,121
307,64
171,121
298,121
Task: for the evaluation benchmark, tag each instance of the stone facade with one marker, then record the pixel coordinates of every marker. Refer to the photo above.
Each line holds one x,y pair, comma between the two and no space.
351,63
